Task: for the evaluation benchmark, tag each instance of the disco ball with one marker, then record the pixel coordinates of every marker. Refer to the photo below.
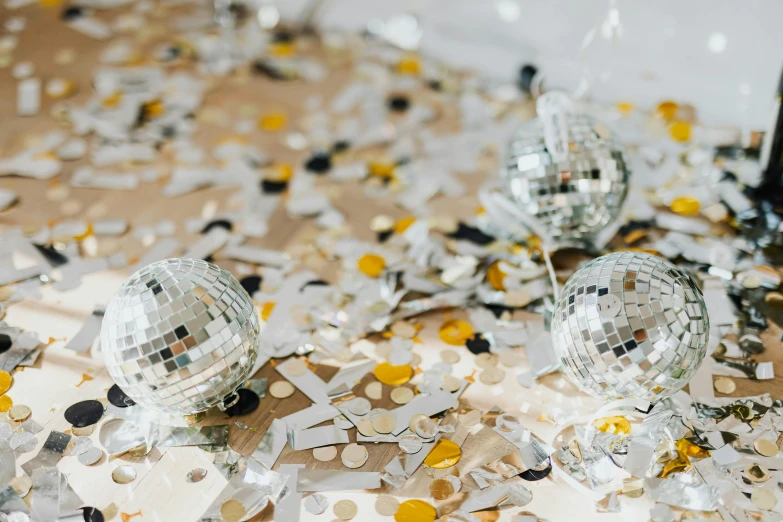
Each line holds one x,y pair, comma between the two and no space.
630,324
180,336
565,170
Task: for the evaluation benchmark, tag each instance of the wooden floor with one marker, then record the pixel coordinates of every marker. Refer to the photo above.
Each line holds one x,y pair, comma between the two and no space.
161,492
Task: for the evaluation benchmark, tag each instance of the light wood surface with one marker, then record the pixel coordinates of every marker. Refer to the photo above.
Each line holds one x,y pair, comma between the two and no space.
161,491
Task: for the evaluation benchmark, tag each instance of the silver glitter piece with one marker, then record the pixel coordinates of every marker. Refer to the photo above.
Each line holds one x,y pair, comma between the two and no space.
410,444
5,431
23,442
651,348
196,475
119,436
359,406
316,504
91,456
564,174
82,444
50,453
180,335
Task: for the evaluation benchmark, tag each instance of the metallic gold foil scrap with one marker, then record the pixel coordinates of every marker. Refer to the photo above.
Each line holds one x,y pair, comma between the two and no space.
415,511
393,375
444,455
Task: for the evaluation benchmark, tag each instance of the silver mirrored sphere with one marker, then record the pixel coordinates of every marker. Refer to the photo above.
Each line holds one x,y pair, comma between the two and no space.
573,195
630,324
180,335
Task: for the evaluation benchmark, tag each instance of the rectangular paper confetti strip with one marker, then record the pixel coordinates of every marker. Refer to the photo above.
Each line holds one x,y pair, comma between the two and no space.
271,444
425,404
330,480
309,417
308,383
316,437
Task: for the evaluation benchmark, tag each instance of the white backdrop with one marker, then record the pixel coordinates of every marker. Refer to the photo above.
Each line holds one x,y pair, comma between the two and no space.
722,56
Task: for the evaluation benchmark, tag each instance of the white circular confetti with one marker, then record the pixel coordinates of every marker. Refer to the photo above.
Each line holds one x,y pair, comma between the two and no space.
316,504
18,516
23,442
400,357
387,506
359,406
404,330
486,360
410,443
91,456
124,474
449,356
343,423
374,390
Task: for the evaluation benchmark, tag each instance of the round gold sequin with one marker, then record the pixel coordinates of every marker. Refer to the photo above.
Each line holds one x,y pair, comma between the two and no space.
5,382
492,376
415,511
451,383
725,385
751,282
449,356
685,206
354,456
386,506
680,131
345,509
19,412
374,391
325,454
232,510
365,428
756,473
393,375
441,489
384,423
495,276
486,360
273,121
445,454
403,329
401,395
667,109
455,332
414,420
281,389
763,499
509,358
371,265
765,447
616,425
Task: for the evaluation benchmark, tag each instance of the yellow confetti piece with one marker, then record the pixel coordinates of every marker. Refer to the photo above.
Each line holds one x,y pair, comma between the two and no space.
84,235
279,173
5,382
691,450
495,276
371,265
49,3
266,310
5,403
112,100
281,49
625,107
403,224
393,375
415,511
85,377
274,121
686,206
680,131
480,210
409,64
667,110
455,332
445,454
616,425
152,109
127,516
381,169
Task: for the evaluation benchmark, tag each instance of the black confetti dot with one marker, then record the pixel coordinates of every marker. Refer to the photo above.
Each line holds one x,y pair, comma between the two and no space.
71,13
273,187
477,344
92,514
472,234
247,403
436,85
385,235
251,283
399,103
219,223
54,257
283,37
319,163
497,310
532,475
264,68
314,282
118,398
340,146
526,75
5,342
84,413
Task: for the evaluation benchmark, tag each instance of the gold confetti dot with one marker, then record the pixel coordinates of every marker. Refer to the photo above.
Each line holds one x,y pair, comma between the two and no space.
449,356
386,506
495,276
403,224
273,121
381,169
616,425
401,395
325,454
667,110
384,423
281,49
765,447
492,376
5,382
279,173
345,509
403,329
725,385
680,131
445,454
296,367
486,360
509,358
415,511
393,375
455,332
374,390
281,389
354,456
232,510
451,383
266,310
625,107
441,489
365,428
5,403
371,265
19,412
686,206
763,499
409,65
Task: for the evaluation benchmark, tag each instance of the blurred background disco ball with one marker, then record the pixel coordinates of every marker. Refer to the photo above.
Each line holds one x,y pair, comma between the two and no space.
180,336
630,324
566,171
